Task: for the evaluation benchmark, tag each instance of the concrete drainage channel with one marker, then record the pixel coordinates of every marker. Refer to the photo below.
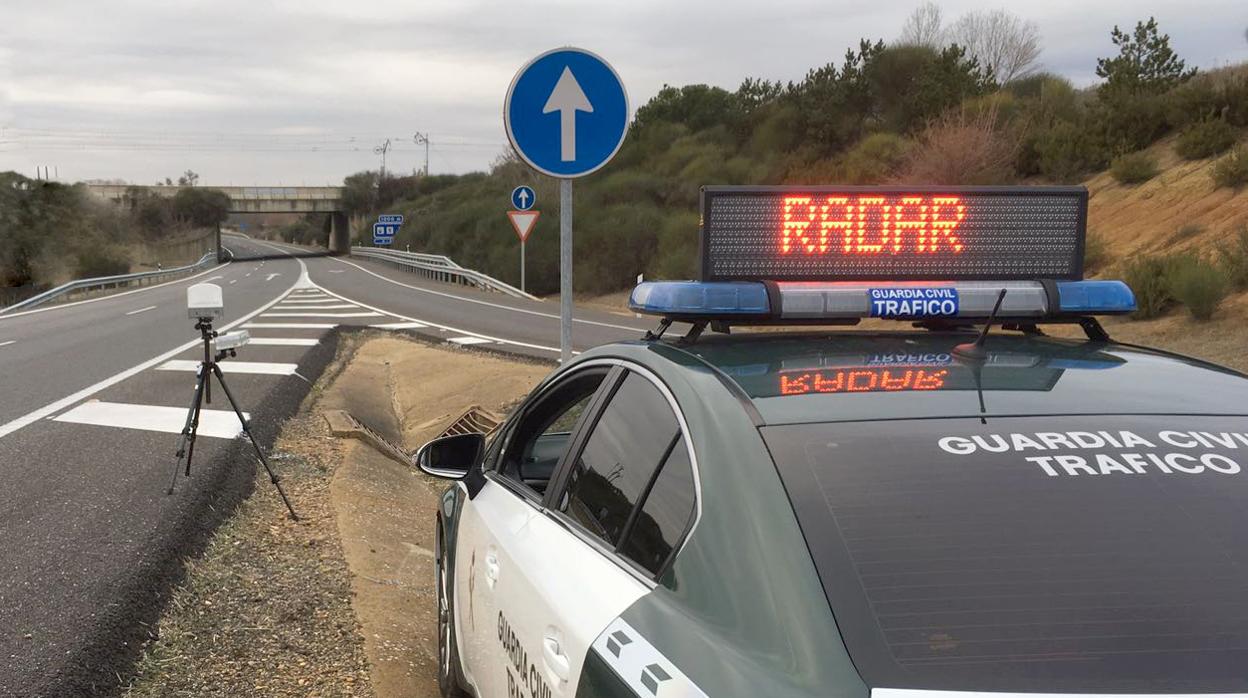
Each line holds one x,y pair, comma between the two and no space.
344,424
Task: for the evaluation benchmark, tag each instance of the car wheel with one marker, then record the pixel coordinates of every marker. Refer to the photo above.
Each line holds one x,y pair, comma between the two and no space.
448,656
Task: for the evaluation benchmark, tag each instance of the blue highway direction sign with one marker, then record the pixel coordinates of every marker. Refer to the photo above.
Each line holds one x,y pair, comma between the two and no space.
383,233
397,219
566,112
523,198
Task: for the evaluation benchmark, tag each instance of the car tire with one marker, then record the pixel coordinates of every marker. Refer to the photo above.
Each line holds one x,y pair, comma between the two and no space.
449,671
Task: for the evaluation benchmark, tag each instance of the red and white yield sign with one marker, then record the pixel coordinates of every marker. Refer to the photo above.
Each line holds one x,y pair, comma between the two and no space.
523,222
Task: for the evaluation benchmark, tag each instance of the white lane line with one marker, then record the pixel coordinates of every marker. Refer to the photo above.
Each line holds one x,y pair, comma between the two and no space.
309,301
220,424
248,275
116,295
255,367
340,306
214,278
469,340
448,328
5,344
283,342
54,407
336,271
487,303
363,314
273,275
141,310
400,326
233,281
288,326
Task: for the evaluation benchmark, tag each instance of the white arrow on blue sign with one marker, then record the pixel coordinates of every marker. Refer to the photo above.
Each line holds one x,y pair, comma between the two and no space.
566,112
523,198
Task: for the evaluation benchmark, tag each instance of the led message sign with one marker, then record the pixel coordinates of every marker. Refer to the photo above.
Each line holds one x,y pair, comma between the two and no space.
889,233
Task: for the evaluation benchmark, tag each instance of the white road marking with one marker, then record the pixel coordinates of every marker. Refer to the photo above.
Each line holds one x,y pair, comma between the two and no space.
363,314
255,367
340,306
214,278
469,340
54,407
336,271
486,303
290,326
456,330
116,295
220,424
248,275
309,301
400,326
273,275
283,342
233,281
5,344
141,310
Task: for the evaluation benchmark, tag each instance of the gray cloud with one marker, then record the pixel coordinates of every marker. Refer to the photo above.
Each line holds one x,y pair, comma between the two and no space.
291,91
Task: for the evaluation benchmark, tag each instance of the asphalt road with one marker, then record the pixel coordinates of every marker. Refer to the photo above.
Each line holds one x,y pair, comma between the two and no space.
92,396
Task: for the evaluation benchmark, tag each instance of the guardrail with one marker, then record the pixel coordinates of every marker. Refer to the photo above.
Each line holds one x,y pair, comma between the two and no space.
101,282
439,268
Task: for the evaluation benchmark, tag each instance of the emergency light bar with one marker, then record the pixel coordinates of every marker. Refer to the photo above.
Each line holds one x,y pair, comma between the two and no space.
805,302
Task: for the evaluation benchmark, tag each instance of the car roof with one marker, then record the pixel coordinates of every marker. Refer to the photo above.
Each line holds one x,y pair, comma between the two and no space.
810,377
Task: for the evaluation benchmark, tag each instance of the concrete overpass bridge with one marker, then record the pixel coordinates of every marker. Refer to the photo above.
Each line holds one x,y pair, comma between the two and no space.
255,200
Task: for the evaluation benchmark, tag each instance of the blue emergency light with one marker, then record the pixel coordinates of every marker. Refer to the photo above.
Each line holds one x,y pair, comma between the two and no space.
839,254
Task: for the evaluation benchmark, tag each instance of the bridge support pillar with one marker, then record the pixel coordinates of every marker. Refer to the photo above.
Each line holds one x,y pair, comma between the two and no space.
339,233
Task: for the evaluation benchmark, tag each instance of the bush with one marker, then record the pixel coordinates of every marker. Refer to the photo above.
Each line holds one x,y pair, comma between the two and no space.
1205,139
1134,168
1066,151
1232,169
1233,258
1186,232
1095,253
1198,284
962,148
1147,278
875,159
101,262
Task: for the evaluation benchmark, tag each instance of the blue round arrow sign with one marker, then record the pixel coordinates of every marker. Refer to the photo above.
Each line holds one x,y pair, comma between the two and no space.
523,198
566,112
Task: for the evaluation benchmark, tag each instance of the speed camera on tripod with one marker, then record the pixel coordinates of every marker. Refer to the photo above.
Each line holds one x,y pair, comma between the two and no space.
205,302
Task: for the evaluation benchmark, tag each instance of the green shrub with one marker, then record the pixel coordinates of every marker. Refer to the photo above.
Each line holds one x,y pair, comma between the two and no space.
1233,258
1134,168
1198,284
1095,253
1066,151
101,262
874,159
1232,169
1186,232
1205,139
1147,278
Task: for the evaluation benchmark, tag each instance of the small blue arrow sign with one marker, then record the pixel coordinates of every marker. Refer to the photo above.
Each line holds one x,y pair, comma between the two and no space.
566,112
523,198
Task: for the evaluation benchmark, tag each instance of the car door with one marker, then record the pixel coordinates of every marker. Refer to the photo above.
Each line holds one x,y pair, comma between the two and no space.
582,564
498,526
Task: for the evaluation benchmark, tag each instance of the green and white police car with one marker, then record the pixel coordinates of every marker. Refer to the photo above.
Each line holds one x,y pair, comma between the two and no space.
928,509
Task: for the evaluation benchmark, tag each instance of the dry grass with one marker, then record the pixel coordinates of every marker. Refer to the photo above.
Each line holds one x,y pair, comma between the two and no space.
962,148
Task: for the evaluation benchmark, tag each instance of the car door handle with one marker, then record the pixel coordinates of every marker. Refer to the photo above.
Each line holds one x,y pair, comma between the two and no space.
557,663
491,569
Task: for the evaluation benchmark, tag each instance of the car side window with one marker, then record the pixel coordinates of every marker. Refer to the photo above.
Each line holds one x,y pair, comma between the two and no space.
615,467
665,513
544,430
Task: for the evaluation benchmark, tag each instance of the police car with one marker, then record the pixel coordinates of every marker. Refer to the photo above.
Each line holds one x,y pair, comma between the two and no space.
958,502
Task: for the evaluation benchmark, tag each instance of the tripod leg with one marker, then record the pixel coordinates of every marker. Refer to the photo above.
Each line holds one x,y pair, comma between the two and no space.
207,387
188,431
259,452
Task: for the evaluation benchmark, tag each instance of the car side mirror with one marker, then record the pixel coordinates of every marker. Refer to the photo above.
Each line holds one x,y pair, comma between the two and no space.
451,457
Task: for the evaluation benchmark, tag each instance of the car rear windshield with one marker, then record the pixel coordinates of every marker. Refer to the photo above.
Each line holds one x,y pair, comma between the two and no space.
1037,554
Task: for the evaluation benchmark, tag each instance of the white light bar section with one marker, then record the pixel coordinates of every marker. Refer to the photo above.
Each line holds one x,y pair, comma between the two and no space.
850,299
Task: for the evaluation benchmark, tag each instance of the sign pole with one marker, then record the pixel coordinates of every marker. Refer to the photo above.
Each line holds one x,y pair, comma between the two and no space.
565,270
522,265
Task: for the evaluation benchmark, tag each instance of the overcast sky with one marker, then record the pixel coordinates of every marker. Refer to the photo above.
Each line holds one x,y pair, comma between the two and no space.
301,91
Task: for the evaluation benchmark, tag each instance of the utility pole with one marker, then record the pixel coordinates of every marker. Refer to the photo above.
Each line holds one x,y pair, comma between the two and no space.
423,139
381,150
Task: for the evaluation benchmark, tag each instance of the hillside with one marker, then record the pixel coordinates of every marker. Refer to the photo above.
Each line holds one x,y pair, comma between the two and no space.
1178,210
